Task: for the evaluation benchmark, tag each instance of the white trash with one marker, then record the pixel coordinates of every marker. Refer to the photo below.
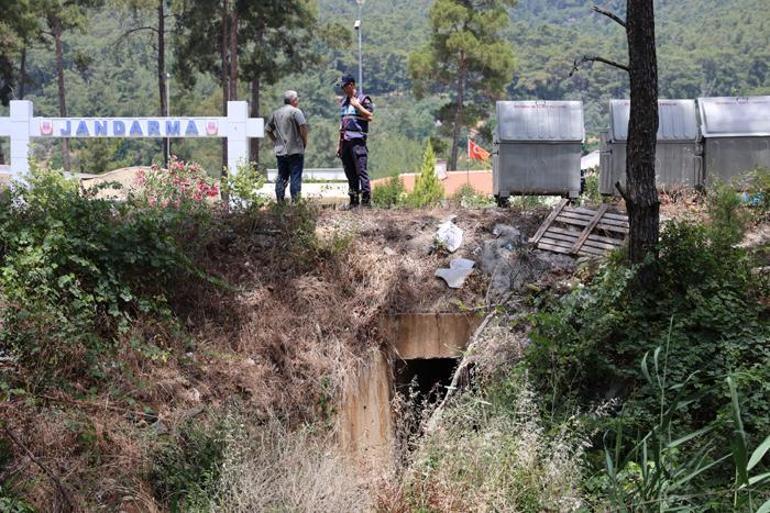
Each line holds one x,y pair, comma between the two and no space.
450,236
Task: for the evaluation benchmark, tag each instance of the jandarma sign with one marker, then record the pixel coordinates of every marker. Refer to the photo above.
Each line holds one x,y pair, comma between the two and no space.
237,128
128,127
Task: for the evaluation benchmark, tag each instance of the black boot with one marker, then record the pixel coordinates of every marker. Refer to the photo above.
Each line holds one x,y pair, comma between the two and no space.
353,201
366,200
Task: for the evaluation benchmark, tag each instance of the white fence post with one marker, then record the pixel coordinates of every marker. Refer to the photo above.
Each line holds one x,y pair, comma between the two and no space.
21,117
237,138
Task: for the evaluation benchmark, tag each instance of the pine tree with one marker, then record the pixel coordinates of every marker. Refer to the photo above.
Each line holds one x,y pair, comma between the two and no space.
427,188
465,56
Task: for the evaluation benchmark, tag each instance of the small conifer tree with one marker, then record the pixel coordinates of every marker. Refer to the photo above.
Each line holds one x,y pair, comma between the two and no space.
427,188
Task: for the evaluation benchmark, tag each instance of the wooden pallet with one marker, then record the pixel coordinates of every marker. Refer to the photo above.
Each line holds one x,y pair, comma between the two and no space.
581,231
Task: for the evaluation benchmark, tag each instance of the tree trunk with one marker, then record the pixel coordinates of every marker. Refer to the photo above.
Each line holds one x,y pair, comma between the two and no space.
641,194
225,76
165,145
254,113
23,71
234,54
56,29
458,121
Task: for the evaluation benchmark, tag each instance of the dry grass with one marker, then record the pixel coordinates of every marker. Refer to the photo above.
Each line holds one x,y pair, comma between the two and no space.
484,459
272,469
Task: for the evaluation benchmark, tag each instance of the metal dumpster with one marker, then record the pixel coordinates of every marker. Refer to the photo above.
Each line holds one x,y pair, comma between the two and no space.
678,160
736,131
537,148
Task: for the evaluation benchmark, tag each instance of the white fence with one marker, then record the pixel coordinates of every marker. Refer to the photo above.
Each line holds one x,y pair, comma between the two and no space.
321,174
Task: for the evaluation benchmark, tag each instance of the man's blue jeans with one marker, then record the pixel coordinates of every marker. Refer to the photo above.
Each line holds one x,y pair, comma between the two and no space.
289,168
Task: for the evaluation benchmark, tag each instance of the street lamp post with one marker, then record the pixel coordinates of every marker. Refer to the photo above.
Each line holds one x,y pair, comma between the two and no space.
358,28
167,156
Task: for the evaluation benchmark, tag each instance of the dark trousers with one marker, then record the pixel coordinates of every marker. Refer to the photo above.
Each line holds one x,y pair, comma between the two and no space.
289,168
354,156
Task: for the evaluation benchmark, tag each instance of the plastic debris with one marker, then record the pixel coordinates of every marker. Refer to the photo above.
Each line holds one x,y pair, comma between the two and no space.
459,270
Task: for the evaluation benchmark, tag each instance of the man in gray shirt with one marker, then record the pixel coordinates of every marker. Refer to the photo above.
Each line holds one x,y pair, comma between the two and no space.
287,128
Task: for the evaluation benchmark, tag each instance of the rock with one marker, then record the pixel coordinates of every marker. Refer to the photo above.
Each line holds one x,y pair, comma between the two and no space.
160,427
421,244
509,240
509,234
459,270
524,268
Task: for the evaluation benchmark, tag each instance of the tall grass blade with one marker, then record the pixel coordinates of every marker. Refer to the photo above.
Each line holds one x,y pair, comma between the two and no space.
687,438
759,453
738,443
764,508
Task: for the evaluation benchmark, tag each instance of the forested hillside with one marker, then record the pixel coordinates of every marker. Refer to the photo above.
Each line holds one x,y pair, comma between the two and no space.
706,47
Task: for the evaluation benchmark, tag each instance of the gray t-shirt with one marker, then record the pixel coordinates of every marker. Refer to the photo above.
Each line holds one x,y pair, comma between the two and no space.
284,125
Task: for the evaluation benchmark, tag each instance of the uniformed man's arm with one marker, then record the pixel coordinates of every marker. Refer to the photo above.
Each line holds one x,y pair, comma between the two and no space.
367,115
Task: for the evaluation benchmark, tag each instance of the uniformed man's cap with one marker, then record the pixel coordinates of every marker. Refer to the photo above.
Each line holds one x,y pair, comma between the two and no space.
347,79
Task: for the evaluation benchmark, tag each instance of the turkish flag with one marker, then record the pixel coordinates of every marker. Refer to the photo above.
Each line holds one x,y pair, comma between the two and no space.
476,152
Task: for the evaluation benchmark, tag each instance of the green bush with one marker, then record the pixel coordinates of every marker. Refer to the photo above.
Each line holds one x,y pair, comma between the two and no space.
467,197
390,194
75,270
727,215
242,188
427,187
586,345
591,194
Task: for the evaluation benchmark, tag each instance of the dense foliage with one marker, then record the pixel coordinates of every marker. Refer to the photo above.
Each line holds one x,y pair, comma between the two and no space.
76,270
661,359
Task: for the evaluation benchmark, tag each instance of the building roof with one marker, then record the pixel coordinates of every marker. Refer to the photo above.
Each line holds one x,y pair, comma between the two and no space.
540,121
677,120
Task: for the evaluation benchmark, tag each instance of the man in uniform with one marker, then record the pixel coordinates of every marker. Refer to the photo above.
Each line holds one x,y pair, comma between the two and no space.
287,128
356,111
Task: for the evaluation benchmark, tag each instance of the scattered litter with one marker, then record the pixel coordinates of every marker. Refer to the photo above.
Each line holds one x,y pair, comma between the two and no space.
450,236
459,270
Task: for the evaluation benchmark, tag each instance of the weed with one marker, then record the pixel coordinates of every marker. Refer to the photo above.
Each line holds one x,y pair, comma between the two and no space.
467,197
186,470
390,194
242,188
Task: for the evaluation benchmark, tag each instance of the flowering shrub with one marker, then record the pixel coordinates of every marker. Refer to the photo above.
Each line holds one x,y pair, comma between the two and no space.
183,184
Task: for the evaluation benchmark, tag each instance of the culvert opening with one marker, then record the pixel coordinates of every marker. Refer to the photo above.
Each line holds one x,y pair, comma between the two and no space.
424,380
379,412
419,385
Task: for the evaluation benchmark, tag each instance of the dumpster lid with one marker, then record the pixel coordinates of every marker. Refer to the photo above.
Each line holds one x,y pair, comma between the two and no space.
540,121
735,116
677,120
